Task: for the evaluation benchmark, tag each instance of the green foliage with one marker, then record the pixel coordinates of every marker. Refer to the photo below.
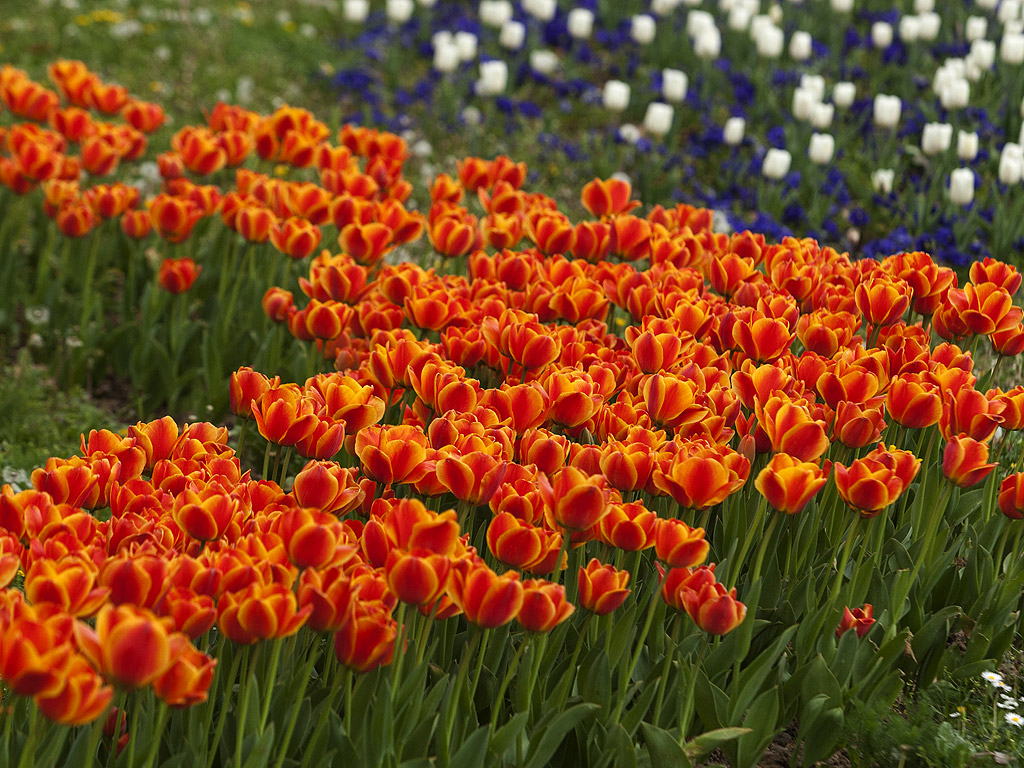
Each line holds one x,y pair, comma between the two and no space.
38,420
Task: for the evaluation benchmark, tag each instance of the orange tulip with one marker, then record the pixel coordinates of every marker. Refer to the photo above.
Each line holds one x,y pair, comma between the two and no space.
366,639
788,484
544,606
295,237
82,698
913,400
178,275
873,482
608,197
986,308
882,299
576,500
487,599
328,487
678,545
602,588
68,583
969,412
519,544
700,476
130,646
393,454
792,429
187,681
713,609
1011,496
964,461
260,612
418,577
859,620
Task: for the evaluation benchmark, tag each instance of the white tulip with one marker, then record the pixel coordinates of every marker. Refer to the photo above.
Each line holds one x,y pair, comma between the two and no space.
758,23
881,34
821,148
928,25
615,96
663,7
1013,27
698,22
494,13
800,45
493,78
975,28
775,14
882,180
822,116
1009,10
732,131
987,5
442,38
708,45
842,6
966,145
776,163
643,29
956,94
472,115
769,42
983,53
803,104
630,134
658,118
427,3
580,23
1011,50
936,138
1011,164
739,19
961,186
466,42
543,62
400,11
887,110
910,29
446,58
815,84
924,6
843,94
355,11
512,35
544,10
674,83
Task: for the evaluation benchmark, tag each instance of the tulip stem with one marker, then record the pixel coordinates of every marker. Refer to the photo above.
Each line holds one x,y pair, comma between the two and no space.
28,752
563,694
133,731
625,678
243,707
307,670
341,676
767,537
268,686
154,746
734,572
460,681
499,698
229,683
851,534
666,668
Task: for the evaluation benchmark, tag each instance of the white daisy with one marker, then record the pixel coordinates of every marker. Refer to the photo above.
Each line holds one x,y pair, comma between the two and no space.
1012,718
993,677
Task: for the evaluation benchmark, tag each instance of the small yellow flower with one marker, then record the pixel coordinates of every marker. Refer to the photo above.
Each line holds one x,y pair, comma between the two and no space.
289,27
83,21
281,170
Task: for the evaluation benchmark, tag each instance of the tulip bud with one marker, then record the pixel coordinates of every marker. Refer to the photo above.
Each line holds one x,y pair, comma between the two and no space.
643,29
929,24
493,78
936,138
658,119
673,85
975,28
881,34
732,131
769,41
821,148
956,94
699,23
887,110
446,58
983,53
399,11
966,145
466,44
615,96
512,35
821,116
708,45
842,6
356,11
1011,165
543,62
580,23
1009,10
800,46
843,94
494,13
882,180
776,163
803,103
1011,50
544,10
910,29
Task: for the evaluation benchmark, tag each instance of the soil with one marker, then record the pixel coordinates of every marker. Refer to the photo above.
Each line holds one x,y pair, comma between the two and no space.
779,754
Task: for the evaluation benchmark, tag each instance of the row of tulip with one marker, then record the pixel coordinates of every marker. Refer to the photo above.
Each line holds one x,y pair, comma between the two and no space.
637,479
870,125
